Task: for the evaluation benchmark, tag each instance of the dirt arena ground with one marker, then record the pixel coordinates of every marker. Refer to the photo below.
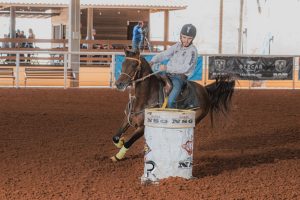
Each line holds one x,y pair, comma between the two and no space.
56,144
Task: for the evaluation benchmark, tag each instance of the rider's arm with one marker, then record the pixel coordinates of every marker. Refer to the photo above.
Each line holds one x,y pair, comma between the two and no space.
167,54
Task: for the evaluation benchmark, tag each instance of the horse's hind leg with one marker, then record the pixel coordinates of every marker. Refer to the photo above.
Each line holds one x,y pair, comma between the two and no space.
139,132
200,114
117,138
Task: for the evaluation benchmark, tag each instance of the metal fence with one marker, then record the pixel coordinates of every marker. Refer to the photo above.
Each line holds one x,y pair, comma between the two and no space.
97,70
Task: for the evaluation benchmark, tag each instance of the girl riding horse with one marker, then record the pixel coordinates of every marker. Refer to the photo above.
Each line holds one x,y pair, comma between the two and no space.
148,93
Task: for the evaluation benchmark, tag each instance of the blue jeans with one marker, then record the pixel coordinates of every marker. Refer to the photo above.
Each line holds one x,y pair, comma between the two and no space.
177,82
137,44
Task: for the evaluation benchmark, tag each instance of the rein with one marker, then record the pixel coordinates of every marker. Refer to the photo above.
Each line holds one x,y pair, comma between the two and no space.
138,69
128,112
147,76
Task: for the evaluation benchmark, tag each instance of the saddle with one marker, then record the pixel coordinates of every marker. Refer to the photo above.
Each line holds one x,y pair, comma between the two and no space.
187,98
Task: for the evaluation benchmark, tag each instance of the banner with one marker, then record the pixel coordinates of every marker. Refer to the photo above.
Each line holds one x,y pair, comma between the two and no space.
197,75
252,68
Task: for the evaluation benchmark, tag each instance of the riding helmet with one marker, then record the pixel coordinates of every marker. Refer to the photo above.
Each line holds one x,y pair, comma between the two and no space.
189,30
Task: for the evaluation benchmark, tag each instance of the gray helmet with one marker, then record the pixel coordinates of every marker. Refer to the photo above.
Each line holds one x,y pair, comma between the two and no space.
189,30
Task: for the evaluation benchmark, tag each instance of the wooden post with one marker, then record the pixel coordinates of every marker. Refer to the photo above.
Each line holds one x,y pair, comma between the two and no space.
241,27
166,28
221,27
74,39
12,28
90,22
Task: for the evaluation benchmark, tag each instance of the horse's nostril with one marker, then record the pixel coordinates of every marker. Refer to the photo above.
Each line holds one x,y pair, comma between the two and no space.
117,84
120,85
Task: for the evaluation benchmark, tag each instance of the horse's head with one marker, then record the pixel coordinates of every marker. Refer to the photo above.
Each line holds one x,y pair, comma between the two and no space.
130,68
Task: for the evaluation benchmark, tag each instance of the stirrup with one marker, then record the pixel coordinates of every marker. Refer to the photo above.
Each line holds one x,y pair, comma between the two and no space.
165,103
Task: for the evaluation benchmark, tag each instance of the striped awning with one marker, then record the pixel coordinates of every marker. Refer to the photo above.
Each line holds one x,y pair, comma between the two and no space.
140,4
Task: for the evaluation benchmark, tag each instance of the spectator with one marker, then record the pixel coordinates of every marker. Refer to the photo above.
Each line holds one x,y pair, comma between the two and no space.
18,33
22,44
5,44
137,36
31,35
95,46
22,35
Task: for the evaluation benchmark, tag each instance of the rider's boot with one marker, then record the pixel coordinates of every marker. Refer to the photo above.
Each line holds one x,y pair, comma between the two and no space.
167,89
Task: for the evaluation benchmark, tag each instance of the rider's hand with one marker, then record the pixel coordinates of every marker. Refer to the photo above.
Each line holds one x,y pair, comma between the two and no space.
163,68
151,63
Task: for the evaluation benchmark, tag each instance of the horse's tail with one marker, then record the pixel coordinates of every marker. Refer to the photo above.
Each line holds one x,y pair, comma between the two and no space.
220,93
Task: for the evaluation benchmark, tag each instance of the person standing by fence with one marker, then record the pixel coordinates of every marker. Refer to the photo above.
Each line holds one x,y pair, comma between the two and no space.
137,36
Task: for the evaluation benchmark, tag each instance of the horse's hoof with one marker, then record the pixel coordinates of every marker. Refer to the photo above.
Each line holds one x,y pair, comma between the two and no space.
114,159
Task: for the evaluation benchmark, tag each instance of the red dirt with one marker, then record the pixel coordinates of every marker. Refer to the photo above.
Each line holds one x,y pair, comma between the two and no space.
56,144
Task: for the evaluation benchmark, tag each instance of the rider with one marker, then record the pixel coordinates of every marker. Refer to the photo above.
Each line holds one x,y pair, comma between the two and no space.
182,61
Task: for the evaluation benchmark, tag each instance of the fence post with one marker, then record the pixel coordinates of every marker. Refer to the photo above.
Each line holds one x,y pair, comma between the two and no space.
112,69
17,70
65,69
295,64
205,67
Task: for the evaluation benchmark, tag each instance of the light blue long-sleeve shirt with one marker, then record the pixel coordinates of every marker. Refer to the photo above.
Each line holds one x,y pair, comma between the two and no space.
182,60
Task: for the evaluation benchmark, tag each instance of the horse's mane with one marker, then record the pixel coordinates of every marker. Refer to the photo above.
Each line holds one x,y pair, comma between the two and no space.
146,64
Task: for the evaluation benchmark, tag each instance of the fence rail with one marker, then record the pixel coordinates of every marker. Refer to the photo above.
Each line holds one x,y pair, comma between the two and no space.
97,69
86,45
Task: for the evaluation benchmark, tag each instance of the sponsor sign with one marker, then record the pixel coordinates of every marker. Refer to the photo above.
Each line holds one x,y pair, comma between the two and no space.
252,68
197,75
170,119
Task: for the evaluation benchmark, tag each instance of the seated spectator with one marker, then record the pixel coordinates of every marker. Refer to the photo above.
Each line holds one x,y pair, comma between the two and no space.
31,35
23,44
5,44
95,46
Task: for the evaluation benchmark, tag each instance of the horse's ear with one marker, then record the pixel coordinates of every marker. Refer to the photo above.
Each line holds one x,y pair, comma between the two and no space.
137,53
126,51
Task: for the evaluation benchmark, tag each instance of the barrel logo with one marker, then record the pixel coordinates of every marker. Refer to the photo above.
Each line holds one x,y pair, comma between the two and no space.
188,146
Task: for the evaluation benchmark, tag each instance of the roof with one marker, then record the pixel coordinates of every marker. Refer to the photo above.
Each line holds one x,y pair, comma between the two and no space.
140,4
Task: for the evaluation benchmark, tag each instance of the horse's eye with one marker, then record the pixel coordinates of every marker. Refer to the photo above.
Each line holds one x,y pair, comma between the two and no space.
133,65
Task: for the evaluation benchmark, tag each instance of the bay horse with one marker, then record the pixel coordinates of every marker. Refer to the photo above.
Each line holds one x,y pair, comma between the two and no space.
148,93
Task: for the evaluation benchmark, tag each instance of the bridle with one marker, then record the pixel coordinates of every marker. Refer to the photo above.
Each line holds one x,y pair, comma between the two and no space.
132,78
138,68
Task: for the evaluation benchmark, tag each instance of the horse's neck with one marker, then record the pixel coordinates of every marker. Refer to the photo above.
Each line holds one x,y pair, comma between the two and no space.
146,91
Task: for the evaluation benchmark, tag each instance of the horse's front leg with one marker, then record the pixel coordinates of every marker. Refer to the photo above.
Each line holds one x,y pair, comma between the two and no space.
117,138
139,132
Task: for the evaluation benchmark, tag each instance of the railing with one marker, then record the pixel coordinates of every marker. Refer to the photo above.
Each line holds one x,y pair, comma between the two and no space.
97,65
97,69
86,45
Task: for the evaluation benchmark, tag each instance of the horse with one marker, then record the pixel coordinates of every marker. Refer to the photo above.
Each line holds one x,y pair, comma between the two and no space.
148,92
